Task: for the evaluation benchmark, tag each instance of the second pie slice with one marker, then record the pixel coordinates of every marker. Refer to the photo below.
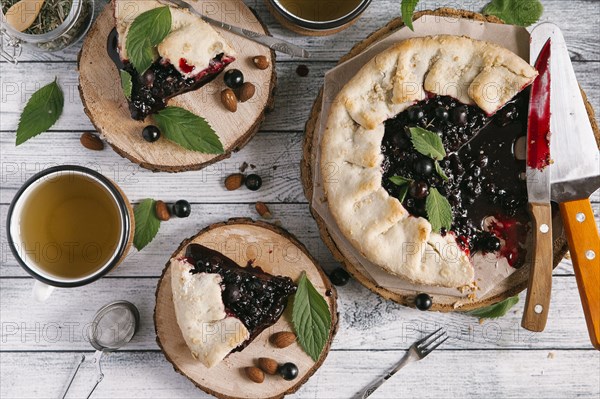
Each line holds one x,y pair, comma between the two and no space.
220,306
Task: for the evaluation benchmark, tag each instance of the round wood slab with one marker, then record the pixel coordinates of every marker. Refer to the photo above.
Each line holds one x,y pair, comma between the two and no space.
277,252
106,106
511,286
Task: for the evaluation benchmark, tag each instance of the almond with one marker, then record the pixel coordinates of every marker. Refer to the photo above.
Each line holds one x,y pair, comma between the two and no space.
263,210
268,365
261,62
162,211
91,141
255,374
234,181
283,339
247,91
229,100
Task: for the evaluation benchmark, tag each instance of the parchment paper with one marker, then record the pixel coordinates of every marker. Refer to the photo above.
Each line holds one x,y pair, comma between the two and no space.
489,270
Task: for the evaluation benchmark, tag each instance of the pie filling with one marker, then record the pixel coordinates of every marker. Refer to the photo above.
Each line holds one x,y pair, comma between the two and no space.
162,81
250,294
486,184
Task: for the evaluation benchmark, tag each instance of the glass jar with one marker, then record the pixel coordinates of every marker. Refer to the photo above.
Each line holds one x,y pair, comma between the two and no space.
73,28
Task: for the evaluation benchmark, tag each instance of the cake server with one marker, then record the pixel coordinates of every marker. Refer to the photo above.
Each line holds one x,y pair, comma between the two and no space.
269,41
576,176
538,169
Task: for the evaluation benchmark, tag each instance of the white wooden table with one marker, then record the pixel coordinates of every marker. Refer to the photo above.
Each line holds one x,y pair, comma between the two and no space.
39,342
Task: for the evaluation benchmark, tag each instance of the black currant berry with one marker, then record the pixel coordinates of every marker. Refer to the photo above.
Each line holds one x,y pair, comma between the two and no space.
234,78
182,209
424,167
339,277
423,302
151,133
253,182
288,371
418,190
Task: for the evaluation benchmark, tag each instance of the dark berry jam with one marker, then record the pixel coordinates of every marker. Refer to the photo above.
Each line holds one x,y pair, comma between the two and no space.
162,81
256,298
485,179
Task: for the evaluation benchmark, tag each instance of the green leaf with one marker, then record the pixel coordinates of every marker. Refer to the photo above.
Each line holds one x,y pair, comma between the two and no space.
400,181
188,130
439,211
41,112
440,171
126,83
311,318
408,8
516,12
402,193
497,310
427,143
145,33
146,223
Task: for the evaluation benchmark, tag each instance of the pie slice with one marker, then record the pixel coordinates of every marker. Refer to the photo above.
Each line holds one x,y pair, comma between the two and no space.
222,307
192,55
471,94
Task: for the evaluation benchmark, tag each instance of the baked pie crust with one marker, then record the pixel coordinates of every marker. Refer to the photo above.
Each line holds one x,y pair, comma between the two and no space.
475,73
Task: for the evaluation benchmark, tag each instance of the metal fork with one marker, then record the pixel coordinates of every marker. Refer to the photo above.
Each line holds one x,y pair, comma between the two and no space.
416,352
269,41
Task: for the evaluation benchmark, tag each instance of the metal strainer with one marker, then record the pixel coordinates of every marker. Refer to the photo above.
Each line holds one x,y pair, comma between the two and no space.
113,326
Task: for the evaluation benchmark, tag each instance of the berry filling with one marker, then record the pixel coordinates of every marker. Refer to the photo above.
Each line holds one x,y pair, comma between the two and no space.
486,185
162,81
251,295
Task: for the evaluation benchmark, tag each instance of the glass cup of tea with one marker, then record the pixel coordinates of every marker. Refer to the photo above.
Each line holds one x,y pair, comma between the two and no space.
68,226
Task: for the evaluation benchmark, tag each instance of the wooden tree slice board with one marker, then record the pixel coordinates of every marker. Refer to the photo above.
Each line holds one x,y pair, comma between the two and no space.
277,252
513,285
106,106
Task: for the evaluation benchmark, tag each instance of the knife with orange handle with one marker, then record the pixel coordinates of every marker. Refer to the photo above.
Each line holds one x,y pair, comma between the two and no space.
575,177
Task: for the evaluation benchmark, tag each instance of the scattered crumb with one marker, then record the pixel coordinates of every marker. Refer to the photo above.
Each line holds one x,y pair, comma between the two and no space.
252,166
551,355
274,167
481,321
568,255
277,223
244,167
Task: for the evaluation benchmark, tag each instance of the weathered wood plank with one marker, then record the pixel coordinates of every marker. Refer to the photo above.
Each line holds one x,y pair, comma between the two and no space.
474,374
581,37
367,321
294,96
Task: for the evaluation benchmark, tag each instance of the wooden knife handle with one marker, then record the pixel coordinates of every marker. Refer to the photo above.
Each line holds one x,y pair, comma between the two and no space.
584,243
540,277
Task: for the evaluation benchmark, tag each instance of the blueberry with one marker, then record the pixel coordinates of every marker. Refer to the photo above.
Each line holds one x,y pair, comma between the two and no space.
423,302
418,190
234,78
182,209
424,167
491,244
288,371
441,113
151,133
459,116
253,182
415,113
339,277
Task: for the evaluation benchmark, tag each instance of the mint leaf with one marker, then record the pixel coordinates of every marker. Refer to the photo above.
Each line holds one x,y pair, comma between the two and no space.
145,33
440,171
516,12
400,181
403,182
427,143
408,8
311,318
439,211
497,310
126,83
188,130
41,112
146,223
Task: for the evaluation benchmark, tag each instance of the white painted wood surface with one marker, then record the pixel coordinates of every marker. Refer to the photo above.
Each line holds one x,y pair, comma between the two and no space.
38,343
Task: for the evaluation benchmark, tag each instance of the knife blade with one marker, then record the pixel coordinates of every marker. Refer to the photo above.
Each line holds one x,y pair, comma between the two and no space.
575,176
537,303
269,41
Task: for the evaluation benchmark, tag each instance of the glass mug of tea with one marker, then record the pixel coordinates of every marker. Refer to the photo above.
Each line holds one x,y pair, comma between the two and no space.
68,226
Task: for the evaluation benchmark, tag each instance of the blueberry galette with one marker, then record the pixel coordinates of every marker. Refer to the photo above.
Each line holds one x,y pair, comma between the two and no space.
418,158
190,56
220,306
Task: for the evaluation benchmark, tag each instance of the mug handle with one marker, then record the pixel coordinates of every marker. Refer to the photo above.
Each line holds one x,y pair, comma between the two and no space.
41,291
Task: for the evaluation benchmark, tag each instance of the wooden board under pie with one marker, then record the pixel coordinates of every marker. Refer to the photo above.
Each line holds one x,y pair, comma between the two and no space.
276,252
106,105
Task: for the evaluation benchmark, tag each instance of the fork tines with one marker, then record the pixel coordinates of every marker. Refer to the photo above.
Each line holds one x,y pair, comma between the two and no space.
438,337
